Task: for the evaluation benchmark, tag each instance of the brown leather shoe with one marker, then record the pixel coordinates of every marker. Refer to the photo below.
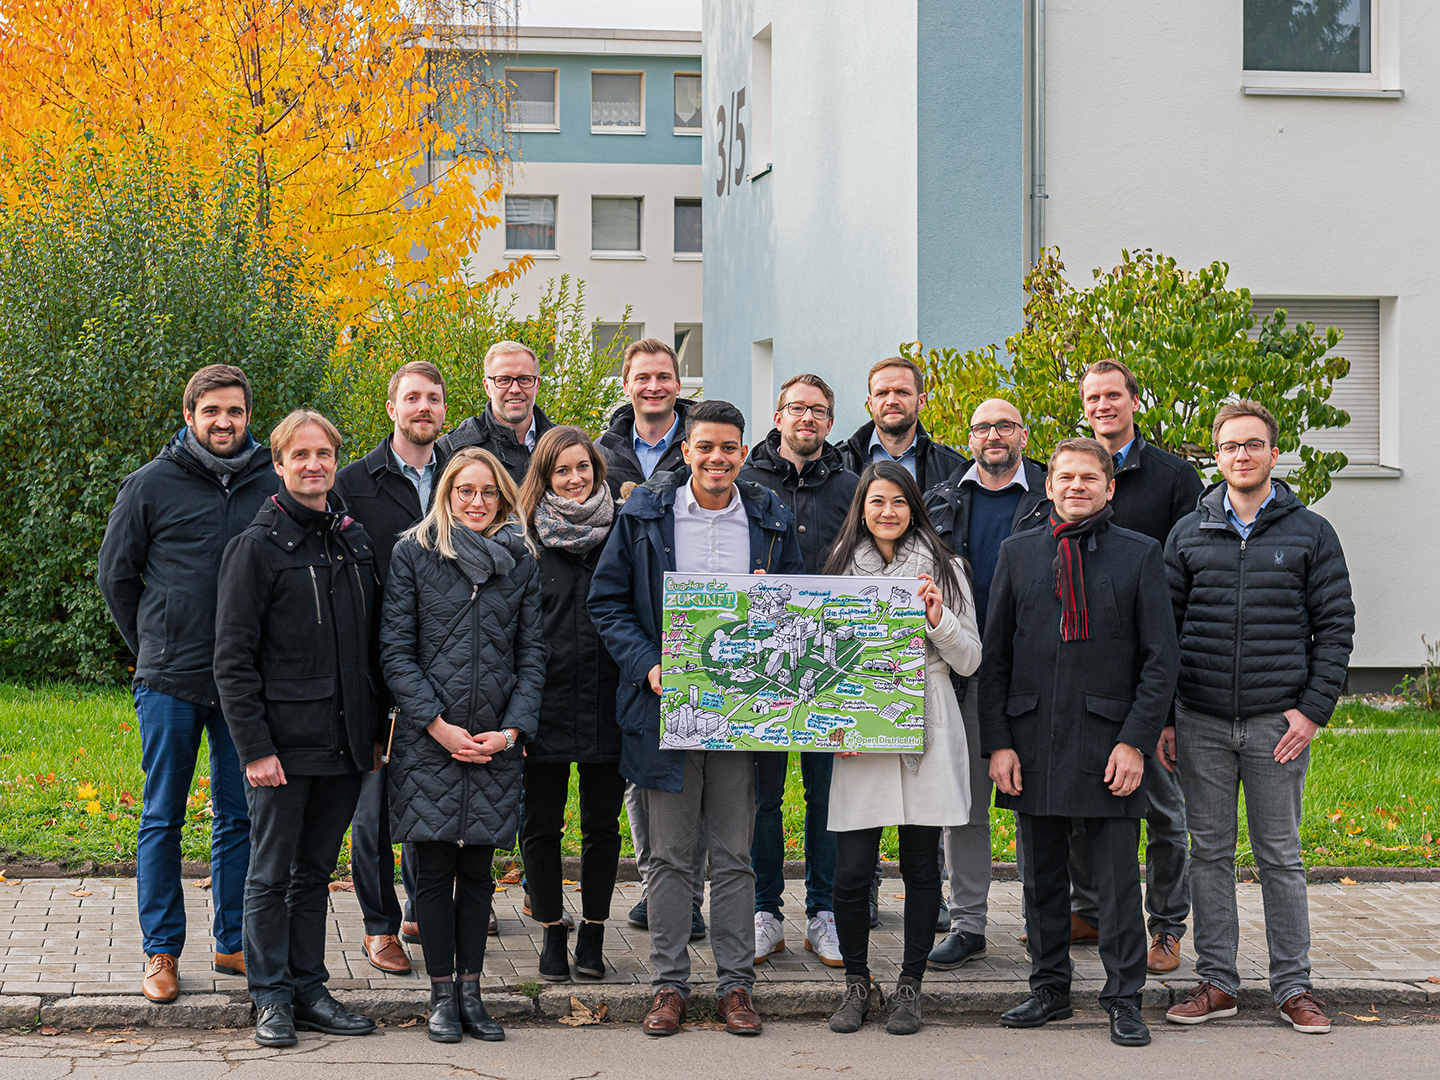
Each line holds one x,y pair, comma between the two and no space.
667,1013
410,931
1164,954
1206,1002
1306,1014
230,963
738,1012
385,953
494,928
162,981
1081,931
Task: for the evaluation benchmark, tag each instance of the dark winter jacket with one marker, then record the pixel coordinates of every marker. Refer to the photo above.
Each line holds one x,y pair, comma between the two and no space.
500,439
625,601
934,462
470,649
1266,624
293,646
1063,706
160,559
948,505
617,446
1153,490
818,495
577,714
379,497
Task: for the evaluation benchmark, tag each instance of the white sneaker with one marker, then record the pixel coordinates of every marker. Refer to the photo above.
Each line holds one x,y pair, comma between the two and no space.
821,940
769,936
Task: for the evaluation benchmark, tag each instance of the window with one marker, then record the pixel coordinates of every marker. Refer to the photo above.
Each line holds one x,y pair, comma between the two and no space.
687,104
687,227
617,102
529,223
617,336
760,154
614,225
1358,393
1321,47
689,354
532,101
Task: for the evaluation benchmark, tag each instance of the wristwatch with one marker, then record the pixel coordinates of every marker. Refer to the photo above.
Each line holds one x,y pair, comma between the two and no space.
509,738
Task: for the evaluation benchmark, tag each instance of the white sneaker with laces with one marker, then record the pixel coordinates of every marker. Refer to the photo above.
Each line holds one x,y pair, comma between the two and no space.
769,936
821,940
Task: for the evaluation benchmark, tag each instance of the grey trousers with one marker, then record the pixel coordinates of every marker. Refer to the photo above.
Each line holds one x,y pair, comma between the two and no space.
640,838
967,847
718,794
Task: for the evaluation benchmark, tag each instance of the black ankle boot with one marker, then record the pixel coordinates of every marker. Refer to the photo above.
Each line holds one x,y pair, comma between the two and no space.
477,1020
554,958
589,957
444,1022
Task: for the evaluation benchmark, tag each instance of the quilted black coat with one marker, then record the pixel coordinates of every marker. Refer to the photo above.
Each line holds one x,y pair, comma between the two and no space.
488,675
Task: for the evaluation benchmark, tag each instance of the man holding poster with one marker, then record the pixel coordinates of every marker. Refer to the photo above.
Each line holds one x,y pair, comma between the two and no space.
700,521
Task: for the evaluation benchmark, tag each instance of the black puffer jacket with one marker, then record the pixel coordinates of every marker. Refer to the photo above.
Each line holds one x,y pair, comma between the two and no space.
500,439
934,462
488,675
818,495
616,446
1266,624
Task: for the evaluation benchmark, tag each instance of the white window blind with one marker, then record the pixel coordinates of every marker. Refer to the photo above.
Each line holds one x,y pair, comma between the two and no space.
614,224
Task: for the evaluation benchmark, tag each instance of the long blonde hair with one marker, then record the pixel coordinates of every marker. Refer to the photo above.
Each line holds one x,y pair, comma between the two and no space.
433,530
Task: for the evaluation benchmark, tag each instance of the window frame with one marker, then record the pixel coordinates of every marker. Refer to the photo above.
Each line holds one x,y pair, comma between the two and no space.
613,129
687,256
621,254
699,129
555,74
1382,80
535,253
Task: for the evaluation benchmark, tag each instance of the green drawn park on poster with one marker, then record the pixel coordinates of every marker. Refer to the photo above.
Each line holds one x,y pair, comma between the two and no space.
792,662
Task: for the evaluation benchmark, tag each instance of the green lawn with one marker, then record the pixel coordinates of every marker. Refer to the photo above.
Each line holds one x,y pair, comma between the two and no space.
70,786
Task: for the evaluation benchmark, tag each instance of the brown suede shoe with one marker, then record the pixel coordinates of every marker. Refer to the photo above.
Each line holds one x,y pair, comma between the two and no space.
1206,1002
738,1012
667,1013
1305,1014
1164,954
162,981
386,954
230,963
1081,931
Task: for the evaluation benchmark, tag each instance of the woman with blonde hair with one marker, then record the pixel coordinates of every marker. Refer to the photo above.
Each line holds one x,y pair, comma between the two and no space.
463,650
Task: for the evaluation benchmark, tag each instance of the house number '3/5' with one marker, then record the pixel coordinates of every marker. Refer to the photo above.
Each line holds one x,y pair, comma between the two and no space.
727,138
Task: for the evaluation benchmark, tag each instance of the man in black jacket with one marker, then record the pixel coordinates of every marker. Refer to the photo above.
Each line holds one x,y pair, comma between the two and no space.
387,491
295,655
1001,493
1262,601
158,563
1153,490
643,436
896,396
1076,683
808,474
512,423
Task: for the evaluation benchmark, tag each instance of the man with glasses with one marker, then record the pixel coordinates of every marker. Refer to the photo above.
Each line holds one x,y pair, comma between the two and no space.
1262,603
894,433
512,423
1000,493
809,475
644,434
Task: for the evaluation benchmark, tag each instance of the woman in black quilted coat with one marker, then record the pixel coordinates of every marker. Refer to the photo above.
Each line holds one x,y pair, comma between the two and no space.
570,511
463,649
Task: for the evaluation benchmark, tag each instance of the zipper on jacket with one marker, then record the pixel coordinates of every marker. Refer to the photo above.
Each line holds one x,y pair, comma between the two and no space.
464,766
1239,627
315,587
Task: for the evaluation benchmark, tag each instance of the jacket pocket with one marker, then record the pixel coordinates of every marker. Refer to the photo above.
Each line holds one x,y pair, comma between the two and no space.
300,711
1100,730
1020,704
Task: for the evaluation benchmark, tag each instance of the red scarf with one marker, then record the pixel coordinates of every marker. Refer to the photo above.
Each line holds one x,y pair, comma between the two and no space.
1070,574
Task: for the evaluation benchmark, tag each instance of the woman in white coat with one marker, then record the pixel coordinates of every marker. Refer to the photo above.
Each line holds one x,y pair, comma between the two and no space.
887,533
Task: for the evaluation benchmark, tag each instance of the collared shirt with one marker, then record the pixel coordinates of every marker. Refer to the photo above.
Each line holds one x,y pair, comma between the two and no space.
1124,452
423,479
649,455
529,437
711,541
906,458
1241,527
973,475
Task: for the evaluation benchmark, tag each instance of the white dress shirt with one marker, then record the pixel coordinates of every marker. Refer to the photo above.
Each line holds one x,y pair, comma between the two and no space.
711,541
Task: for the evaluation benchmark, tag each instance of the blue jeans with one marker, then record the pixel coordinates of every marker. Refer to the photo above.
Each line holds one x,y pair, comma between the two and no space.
1216,757
767,851
170,731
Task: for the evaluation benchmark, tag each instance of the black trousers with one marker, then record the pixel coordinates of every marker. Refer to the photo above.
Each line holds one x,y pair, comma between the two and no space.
1114,846
855,855
295,834
372,860
453,890
602,793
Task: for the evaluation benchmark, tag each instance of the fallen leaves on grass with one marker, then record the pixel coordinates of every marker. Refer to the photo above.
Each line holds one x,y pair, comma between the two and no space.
93,807
86,792
126,799
342,886
201,883
582,1015
82,892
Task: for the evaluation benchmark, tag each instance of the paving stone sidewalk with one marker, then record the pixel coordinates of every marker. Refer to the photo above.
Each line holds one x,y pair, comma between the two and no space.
80,939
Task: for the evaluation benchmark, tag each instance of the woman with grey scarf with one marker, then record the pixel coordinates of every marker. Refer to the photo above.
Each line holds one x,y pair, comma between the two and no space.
570,511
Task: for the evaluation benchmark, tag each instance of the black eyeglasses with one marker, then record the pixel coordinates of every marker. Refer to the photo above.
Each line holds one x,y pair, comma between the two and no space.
820,412
1253,447
1005,428
502,382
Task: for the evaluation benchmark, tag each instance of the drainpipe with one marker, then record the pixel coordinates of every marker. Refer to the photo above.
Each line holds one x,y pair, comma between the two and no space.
1037,130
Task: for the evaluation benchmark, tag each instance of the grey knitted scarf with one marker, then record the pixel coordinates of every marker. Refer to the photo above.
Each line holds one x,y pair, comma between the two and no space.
575,526
223,467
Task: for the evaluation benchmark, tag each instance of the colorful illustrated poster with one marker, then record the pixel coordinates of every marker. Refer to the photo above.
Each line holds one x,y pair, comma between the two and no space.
792,662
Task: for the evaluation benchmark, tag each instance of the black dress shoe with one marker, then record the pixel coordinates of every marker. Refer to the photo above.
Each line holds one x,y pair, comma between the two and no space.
1126,1027
1042,1006
275,1026
328,1015
444,1025
478,1021
956,949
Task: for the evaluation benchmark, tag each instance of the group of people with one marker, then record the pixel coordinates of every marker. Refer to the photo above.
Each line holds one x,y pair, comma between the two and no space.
1107,641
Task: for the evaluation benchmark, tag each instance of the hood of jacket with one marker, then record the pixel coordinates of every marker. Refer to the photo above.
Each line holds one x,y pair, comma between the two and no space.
859,443
766,455
1212,506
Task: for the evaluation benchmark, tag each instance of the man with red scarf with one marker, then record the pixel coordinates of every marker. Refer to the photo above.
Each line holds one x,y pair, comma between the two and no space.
1079,669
